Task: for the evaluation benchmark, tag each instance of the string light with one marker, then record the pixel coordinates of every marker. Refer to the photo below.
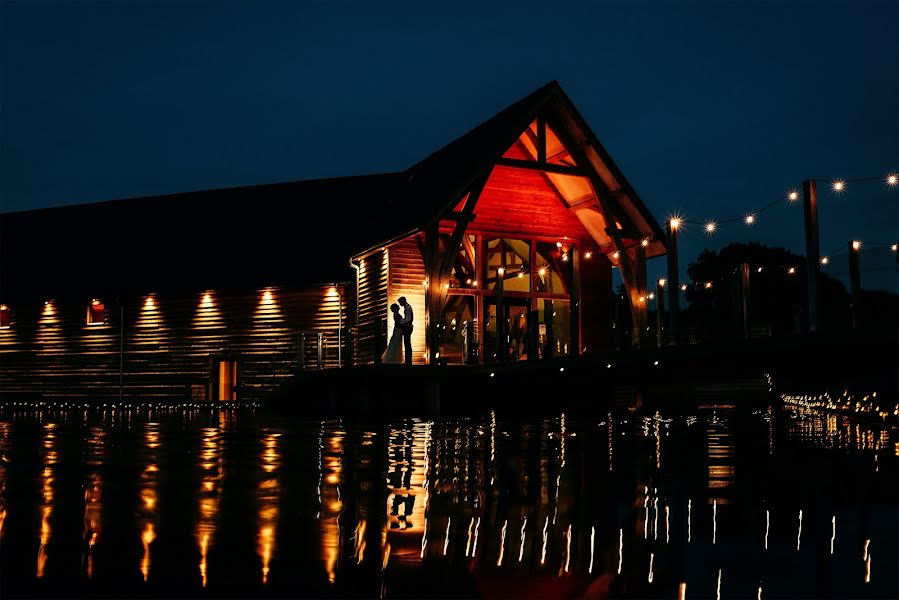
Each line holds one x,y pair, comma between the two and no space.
615,255
662,282
542,272
856,245
645,242
892,179
894,247
675,222
793,196
710,227
791,270
838,185
588,254
708,285
824,260
683,288
750,219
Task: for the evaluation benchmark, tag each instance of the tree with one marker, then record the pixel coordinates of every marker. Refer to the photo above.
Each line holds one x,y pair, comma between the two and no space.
777,293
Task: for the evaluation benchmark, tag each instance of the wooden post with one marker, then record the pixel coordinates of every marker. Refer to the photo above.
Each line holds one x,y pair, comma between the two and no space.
642,311
574,291
854,281
533,335
550,348
660,308
744,299
673,285
501,345
812,251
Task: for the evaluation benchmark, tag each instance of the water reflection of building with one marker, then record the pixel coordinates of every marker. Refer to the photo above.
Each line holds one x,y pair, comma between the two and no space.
267,497
408,491
720,458
211,471
331,441
48,485
5,431
146,513
93,496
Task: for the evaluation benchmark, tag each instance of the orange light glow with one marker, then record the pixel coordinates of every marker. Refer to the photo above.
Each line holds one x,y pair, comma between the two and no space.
588,255
616,255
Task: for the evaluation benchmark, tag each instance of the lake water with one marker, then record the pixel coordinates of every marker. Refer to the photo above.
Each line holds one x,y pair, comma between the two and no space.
182,503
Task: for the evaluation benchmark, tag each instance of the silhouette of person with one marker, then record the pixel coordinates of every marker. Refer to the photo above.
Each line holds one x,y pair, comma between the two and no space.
406,323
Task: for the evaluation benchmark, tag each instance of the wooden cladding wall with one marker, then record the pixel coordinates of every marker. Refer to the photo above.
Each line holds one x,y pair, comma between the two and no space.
169,343
520,202
371,298
406,278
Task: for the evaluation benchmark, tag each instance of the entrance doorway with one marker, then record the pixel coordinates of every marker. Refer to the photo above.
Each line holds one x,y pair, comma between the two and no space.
224,379
515,328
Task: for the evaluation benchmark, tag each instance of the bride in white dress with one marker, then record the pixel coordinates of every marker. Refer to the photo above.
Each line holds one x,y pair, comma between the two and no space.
394,352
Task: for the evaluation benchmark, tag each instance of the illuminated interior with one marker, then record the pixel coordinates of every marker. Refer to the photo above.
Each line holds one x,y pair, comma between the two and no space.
96,313
226,380
4,316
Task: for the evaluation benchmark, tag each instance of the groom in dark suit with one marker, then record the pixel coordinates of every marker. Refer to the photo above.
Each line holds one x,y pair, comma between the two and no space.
406,323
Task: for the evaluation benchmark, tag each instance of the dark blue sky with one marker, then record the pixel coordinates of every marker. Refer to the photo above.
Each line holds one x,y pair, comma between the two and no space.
709,108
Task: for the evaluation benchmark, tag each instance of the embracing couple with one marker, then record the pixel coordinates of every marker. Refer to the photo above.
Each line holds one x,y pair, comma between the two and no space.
400,345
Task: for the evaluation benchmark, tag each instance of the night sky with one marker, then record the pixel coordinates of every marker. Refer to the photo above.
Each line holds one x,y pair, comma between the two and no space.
711,109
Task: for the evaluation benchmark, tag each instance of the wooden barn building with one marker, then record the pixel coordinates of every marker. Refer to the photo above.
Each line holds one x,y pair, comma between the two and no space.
503,242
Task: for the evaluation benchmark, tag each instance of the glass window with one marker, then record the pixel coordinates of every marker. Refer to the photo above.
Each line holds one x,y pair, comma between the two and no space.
96,312
514,257
551,269
457,334
554,334
464,273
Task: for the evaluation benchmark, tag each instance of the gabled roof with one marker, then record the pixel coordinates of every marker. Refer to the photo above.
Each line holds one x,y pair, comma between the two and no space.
437,183
287,233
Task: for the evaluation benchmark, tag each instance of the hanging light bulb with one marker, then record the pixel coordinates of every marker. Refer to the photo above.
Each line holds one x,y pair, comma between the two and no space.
838,185
662,282
892,179
645,242
824,260
674,222
588,255
856,245
708,285
615,255
542,272
791,270
710,227
894,247
793,196
683,288
750,219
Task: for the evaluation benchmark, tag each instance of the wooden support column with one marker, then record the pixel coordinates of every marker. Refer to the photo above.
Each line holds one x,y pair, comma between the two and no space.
574,291
432,289
533,335
744,299
855,284
673,285
642,312
549,350
812,250
660,309
502,347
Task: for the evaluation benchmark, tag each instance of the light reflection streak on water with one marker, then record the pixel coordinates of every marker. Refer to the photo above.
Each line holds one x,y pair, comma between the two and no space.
468,543
592,544
545,539
767,526
652,557
718,587
620,549
267,497
682,590
799,535
50,458
610,440
446,540
5,431
146,513
331,504
477,526
523,537
502,543
666,526
714,521
689,519
568,549
833,532
211,473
